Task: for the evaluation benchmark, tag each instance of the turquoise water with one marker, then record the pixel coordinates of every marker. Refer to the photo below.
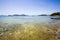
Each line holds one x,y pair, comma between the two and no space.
17,20
21,20
13,19
27,19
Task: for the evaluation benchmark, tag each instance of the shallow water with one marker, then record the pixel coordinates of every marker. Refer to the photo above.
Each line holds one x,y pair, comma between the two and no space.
28,27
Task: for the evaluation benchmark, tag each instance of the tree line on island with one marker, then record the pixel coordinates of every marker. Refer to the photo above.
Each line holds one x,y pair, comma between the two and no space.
55,14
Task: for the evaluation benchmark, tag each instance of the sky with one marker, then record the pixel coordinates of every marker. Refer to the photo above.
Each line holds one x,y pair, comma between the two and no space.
29,7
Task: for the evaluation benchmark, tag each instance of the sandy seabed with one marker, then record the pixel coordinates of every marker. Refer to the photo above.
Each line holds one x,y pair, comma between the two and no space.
27,31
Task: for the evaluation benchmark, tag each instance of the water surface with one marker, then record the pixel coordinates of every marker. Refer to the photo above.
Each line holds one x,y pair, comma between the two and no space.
28,27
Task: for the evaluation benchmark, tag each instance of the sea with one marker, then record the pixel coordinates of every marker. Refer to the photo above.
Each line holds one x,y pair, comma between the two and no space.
25,27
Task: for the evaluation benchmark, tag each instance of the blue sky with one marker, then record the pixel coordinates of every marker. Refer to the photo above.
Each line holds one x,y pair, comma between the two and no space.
29,7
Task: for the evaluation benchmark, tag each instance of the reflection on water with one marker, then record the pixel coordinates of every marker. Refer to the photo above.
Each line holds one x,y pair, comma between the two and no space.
28,28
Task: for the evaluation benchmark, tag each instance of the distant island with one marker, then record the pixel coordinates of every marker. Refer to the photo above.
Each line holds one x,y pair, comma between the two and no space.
55,14
27,15
18,15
